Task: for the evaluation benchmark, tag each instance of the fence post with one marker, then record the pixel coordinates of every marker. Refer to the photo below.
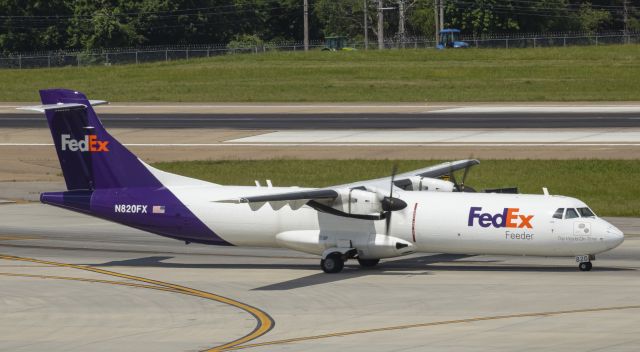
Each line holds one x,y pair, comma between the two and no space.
106,58
49,60
564,40
208,52
166,55
20,61
136,56
78,59
507,43
187,55
534,43
596,40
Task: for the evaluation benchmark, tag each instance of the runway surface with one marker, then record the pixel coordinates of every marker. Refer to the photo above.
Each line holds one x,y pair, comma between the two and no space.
69,282
311,121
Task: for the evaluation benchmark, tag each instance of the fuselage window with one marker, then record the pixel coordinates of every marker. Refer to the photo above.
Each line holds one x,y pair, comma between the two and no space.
558,213
586,213
571,214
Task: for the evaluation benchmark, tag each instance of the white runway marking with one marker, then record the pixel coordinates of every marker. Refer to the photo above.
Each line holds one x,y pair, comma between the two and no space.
601,109
348,144
501,137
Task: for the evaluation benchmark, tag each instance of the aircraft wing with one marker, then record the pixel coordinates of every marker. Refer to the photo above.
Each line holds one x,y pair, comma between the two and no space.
434,171
295,199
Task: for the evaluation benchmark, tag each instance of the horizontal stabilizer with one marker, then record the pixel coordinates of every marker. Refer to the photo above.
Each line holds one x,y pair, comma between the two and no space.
62,106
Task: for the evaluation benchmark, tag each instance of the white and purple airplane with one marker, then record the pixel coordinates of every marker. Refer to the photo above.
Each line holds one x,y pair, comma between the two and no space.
368,220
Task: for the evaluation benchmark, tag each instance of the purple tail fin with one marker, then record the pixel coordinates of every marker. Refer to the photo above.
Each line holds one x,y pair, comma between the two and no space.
89,156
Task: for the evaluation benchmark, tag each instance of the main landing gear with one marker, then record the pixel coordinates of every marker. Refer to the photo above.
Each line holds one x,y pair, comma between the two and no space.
584,262
334,259
333,263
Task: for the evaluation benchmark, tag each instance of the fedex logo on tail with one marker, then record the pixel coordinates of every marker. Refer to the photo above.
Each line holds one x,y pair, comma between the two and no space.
510,217
88,144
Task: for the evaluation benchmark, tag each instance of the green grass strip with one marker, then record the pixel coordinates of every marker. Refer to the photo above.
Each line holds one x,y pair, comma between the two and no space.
604,73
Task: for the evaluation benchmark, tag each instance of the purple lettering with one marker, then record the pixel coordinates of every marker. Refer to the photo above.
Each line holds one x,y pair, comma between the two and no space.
485,220
473,213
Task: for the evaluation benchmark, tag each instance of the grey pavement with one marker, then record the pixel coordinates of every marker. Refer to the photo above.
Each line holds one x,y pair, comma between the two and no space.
459,303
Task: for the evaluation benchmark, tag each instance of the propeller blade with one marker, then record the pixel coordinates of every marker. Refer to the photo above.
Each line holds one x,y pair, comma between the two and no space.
388,223
453,179
394,170
464,177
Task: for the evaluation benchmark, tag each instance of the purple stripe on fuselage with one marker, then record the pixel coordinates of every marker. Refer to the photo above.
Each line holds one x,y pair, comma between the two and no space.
134,207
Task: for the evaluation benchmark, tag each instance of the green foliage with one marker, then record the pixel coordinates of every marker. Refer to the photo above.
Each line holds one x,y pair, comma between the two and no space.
591,20
608,186
340,18
19,34
421,18
245,40
480,17
89,24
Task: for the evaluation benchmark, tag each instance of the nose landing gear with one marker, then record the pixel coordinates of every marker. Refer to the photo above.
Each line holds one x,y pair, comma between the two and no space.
584,262
586,266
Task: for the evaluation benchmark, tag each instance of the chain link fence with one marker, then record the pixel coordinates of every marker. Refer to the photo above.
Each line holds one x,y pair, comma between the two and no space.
121,56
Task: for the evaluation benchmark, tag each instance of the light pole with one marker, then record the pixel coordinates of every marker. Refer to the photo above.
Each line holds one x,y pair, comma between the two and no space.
306,25
365,7
381,24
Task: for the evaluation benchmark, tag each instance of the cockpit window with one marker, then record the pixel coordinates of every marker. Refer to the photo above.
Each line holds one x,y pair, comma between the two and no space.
558,213
571,214
586,213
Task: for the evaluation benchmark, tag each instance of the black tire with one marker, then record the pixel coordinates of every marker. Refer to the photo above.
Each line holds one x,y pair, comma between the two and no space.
586,266
368,263
332,264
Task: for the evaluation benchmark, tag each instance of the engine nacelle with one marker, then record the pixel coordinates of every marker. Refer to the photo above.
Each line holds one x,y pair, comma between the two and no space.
383,246
358,202
419,183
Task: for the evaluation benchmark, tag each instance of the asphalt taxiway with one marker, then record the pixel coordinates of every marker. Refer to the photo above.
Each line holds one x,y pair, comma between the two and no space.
73,282
296,121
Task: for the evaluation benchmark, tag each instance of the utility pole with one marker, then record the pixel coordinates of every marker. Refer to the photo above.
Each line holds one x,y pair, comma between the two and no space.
306,25
365,7
401,22
626,20
441,14
380,26
436,21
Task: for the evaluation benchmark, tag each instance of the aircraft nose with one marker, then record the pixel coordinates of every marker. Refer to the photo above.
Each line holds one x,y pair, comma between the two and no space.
613,236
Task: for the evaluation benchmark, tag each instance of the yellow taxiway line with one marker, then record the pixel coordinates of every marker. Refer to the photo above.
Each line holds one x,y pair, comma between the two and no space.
435,323
264,322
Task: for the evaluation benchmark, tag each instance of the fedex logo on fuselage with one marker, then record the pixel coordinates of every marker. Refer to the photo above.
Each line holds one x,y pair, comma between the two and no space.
508,218
88,144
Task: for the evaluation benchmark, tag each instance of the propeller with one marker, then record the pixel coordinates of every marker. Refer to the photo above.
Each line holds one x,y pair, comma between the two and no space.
390,204
460,187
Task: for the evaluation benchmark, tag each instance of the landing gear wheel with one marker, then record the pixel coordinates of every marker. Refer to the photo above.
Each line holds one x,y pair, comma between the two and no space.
586,266
332,264
368,263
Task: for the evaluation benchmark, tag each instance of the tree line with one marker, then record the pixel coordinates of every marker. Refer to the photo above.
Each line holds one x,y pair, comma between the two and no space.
39,25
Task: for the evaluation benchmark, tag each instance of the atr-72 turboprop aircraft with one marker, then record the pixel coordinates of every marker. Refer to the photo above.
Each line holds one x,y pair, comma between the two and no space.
369,220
